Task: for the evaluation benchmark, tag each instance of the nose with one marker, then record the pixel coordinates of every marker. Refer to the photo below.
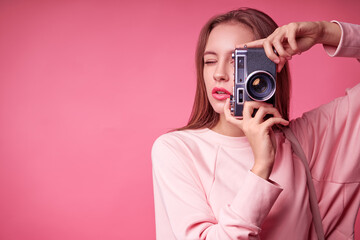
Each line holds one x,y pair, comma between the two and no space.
221,72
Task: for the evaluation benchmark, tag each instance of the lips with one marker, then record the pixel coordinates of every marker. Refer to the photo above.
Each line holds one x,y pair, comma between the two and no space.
220,93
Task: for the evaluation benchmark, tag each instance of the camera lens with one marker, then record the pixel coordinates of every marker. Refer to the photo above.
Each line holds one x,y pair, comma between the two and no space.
260,86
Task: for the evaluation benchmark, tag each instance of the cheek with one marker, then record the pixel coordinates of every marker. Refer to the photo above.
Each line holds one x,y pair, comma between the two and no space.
207,78
231,71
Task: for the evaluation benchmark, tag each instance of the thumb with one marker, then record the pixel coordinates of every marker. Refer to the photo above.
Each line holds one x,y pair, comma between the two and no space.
254,44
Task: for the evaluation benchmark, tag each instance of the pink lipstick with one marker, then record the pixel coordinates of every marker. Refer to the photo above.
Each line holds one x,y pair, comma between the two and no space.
220,93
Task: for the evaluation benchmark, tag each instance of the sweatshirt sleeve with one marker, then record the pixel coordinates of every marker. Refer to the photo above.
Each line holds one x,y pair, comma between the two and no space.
349,45
330,137
330,134
181,207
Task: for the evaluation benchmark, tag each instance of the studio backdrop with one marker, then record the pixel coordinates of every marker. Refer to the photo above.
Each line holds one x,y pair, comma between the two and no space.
87,86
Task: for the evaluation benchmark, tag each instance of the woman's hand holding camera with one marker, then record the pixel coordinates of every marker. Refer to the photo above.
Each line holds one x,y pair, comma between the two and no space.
287,41
259,133
280,46
295,38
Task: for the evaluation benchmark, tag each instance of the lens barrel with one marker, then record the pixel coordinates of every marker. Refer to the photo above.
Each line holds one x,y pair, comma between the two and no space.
260,86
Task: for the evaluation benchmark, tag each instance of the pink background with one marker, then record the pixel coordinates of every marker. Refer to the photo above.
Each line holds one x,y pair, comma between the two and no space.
87,86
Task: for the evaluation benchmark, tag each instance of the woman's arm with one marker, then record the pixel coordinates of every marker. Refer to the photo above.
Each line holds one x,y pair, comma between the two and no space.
329,134
259,133
332,130
181,207
338,39
295,38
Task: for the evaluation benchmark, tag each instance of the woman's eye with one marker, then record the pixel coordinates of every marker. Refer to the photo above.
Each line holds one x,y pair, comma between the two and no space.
210,62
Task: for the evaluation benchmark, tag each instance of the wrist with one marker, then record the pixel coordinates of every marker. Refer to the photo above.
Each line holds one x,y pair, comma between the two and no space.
262,170
330,33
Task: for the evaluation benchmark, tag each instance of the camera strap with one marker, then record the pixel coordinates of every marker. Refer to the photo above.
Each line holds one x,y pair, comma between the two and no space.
314,207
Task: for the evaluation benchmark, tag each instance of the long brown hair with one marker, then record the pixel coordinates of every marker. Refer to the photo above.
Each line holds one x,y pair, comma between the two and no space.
203,115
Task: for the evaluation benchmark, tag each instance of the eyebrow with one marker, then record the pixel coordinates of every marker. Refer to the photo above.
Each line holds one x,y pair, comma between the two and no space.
214,53
209,52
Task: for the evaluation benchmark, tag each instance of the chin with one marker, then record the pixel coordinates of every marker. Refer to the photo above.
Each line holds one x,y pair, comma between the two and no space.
218,107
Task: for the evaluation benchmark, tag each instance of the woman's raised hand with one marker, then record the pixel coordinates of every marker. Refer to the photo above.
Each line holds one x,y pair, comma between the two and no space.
295,38
259,133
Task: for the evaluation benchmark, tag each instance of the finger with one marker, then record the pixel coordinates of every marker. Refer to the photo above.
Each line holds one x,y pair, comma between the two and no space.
270,52
248,109
228,116
292,42
281,64
227,111
273,121
263,111
253,44
278,45
250,106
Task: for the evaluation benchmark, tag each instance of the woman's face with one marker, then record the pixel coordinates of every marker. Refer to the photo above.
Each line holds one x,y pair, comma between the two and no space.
218,63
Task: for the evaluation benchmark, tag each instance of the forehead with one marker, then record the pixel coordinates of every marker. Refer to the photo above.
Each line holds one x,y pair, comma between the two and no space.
228,35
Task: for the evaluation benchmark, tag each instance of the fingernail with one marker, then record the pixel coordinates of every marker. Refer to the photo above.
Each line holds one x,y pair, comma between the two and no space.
288,58
277,61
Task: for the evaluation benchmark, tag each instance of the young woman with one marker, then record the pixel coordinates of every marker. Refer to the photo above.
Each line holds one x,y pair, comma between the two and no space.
224,178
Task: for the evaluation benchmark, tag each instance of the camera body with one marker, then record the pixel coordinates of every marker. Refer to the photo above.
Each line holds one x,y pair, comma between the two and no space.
254,78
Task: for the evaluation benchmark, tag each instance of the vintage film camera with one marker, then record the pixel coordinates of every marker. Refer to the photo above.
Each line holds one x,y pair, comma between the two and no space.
255,78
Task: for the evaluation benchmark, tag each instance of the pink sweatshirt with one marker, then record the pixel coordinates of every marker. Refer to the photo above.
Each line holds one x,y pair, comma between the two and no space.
204,189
